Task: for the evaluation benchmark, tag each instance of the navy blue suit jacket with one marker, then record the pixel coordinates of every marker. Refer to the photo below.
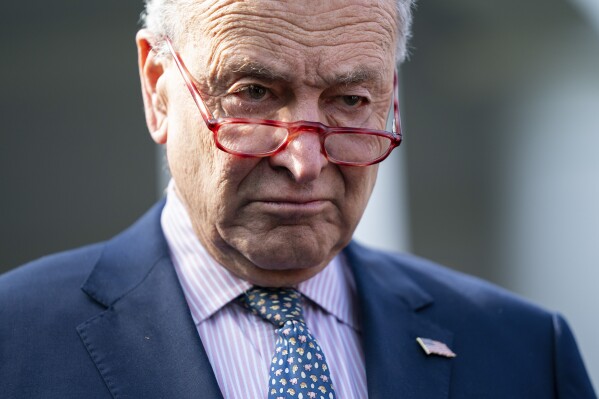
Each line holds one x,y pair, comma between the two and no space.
110,320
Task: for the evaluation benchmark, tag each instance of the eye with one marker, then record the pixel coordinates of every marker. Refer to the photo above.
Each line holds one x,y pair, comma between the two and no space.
253,92
353,101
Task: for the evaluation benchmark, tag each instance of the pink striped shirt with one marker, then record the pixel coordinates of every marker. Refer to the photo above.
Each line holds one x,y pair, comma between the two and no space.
240,345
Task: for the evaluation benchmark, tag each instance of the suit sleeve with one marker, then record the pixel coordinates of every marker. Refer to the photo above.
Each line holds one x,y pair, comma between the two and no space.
571,378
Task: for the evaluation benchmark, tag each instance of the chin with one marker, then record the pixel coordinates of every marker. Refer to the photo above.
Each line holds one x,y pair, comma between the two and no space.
283,262
286,248
282,277
286,269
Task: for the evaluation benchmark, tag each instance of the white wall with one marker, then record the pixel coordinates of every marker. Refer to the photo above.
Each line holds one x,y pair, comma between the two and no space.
385,223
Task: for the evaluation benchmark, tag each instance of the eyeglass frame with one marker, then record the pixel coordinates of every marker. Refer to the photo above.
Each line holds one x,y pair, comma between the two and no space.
293,128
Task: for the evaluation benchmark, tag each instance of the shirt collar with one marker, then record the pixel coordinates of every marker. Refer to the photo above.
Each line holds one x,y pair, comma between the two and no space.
334,290
208,286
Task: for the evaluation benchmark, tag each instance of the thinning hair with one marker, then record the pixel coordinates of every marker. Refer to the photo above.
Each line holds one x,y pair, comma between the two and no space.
163,18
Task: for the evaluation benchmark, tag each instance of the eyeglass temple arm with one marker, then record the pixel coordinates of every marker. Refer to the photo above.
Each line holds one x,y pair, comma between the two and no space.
195,93
396,115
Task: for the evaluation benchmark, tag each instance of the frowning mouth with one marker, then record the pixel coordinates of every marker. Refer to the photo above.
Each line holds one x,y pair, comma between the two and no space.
291,208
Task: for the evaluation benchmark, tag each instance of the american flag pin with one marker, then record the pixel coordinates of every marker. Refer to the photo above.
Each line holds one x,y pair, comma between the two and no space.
432,347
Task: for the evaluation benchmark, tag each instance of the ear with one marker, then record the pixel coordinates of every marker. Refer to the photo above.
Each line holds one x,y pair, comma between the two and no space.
151,73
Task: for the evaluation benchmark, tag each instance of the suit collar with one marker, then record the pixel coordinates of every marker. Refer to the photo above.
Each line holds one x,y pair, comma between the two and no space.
395,310
145,343
127,259
378,269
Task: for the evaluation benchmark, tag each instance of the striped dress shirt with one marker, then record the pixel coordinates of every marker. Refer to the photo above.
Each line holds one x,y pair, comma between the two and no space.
239,344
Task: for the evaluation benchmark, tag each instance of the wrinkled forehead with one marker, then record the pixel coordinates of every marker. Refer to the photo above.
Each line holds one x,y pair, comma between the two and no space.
304,33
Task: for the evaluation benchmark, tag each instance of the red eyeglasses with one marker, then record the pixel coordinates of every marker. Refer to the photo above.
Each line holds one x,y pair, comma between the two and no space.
249,137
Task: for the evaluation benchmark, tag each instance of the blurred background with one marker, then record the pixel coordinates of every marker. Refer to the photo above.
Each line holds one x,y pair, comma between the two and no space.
498,175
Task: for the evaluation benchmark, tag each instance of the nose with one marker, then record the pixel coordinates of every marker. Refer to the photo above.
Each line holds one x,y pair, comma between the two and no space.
302,157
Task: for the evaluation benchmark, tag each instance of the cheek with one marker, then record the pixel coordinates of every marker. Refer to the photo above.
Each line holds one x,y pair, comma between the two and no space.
230,172
191,158
189,146
215,184
207,177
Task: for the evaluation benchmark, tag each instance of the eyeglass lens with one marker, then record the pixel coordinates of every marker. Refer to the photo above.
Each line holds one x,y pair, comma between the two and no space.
258,139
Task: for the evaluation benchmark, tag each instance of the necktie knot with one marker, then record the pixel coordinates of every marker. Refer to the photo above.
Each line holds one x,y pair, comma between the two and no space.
276,305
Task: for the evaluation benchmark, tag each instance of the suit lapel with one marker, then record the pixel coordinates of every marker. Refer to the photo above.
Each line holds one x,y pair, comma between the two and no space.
393,311
145,343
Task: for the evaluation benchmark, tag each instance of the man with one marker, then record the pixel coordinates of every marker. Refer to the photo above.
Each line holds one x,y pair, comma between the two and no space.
244,284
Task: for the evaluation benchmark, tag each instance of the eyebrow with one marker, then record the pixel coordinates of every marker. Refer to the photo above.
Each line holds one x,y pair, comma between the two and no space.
260,71
357,75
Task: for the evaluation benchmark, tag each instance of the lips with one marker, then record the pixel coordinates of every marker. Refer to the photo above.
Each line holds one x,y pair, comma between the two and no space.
309,203
291,207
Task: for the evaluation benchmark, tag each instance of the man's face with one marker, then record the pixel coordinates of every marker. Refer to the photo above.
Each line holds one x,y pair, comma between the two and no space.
278,220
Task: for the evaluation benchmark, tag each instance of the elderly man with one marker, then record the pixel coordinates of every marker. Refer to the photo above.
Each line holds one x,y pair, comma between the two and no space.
244,283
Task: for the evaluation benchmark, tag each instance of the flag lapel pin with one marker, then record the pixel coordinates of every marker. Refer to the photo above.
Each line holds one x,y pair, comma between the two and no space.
432,347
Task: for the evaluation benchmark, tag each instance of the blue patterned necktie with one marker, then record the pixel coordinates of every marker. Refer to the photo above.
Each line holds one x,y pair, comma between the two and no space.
298,369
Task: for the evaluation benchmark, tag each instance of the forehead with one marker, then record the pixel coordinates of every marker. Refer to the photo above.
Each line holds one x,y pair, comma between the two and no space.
315,37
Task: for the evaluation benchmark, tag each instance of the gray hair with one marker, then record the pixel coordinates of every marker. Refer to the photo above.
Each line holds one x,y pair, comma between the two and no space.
163,18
